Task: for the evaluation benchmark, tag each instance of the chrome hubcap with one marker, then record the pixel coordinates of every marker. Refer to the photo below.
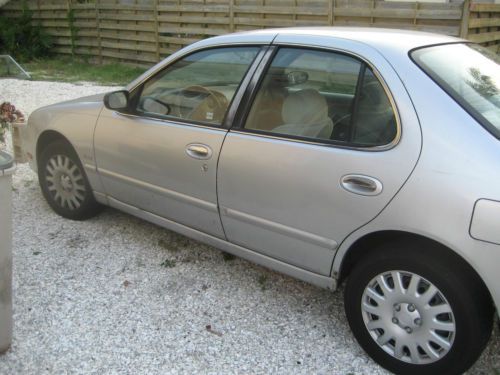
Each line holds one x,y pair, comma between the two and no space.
65,182
408,317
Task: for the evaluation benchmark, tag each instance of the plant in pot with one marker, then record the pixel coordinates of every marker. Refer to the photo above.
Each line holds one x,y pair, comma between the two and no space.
8,115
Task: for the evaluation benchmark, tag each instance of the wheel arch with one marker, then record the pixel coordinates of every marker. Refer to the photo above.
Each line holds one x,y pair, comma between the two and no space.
371,241
47,137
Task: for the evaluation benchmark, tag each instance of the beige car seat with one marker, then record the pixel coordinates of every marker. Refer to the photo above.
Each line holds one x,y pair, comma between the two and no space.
266,111
305,113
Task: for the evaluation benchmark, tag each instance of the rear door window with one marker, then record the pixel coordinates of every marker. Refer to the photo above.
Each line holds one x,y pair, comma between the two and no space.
322,96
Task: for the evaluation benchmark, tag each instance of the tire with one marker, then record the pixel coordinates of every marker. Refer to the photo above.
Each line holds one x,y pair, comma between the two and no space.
445,335
64,183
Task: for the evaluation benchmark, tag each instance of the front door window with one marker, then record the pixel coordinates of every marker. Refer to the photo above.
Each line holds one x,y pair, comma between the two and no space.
198,88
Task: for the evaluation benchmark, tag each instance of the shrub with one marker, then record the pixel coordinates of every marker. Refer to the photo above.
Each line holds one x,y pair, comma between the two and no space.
22,39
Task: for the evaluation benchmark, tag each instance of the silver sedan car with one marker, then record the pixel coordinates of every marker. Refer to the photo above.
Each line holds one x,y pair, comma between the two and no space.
329,154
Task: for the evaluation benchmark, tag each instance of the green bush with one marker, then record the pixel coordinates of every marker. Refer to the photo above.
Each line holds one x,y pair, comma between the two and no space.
22,39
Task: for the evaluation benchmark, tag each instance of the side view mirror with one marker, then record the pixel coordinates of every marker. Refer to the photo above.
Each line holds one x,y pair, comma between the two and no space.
116,100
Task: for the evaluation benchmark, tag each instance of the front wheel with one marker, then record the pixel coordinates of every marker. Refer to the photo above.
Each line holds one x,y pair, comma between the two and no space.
415,311
64,183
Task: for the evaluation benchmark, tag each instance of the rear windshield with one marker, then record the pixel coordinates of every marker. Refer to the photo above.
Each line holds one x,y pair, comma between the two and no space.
468,73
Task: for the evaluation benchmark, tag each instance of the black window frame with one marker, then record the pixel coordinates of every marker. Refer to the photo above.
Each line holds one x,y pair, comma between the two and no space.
256,83
226,122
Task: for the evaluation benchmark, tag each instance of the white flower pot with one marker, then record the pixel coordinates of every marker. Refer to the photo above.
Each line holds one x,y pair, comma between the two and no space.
6,169
18,132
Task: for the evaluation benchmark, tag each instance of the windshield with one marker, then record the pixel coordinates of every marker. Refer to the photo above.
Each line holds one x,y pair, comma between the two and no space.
468,73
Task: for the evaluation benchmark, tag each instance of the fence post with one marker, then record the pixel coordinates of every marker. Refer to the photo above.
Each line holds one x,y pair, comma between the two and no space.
71,27
157,28
98,28
330,12
231,16
415,17
464,26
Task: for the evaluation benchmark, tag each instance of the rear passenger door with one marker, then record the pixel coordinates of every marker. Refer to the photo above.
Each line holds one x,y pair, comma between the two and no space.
317,153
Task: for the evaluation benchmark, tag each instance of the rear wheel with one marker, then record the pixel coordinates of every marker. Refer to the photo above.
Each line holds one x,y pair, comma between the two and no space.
64,183
417,311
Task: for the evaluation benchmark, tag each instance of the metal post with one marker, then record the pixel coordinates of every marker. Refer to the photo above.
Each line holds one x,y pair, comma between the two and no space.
6,170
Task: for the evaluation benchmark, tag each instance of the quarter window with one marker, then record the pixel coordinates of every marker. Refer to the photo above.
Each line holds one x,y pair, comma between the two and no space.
323,96
198,87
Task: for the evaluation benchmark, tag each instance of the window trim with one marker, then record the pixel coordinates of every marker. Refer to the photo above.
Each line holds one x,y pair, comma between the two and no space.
256,83
471,111
135,94
355,105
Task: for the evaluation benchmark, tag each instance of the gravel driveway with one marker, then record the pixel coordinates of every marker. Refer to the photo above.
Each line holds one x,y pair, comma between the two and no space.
119,295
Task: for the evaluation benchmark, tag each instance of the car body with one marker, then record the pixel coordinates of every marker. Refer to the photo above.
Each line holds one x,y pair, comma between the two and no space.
227,161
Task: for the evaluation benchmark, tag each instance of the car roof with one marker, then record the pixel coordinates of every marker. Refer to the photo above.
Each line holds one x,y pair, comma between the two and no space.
384,40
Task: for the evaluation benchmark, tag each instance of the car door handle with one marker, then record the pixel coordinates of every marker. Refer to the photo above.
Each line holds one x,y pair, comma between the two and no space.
362,185
199,151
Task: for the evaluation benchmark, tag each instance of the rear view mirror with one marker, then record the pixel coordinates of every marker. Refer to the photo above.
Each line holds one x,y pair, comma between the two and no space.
116,100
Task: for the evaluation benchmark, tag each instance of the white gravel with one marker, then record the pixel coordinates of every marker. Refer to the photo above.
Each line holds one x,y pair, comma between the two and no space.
98,296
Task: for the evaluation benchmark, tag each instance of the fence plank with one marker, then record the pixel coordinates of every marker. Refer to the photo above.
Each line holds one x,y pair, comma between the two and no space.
485,37
194,8
484,22
313,11
477,7
194,19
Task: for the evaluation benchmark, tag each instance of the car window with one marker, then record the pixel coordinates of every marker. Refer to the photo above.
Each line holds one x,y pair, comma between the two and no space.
324,96
473,79
198,87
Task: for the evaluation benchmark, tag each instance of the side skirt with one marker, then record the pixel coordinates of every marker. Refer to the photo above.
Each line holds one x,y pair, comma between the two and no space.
298,273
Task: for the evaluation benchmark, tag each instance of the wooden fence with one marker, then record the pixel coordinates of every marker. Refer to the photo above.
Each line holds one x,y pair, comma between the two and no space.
484,25
141,32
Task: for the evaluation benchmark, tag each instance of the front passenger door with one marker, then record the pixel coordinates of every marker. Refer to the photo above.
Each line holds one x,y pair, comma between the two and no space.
162,158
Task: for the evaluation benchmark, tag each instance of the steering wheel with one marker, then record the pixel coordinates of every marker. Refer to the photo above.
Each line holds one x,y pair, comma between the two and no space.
340,130
211,104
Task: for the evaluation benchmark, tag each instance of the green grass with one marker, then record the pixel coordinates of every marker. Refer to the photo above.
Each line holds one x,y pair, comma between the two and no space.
76,70
262,280
168,263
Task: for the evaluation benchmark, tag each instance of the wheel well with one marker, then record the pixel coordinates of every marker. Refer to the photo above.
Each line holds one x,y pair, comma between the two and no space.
372,241
46,138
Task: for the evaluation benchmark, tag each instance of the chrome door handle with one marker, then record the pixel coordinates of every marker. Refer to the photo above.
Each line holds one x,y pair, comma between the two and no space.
362,185
199,151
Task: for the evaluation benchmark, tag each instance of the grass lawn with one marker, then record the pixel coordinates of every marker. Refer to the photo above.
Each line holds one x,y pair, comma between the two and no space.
75,70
